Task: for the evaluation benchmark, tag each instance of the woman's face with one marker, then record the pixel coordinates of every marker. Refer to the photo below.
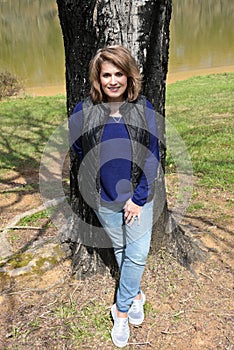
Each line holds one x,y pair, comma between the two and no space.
113,81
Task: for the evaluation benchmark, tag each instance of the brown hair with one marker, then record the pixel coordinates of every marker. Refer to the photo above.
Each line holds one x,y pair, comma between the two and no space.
122,58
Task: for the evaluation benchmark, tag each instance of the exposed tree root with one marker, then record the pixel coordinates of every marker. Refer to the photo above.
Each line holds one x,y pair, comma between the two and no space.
5,248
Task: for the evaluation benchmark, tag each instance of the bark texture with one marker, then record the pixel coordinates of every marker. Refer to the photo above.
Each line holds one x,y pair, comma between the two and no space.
142,26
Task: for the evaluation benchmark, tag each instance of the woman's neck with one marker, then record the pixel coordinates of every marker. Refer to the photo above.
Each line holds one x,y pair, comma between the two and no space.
115,106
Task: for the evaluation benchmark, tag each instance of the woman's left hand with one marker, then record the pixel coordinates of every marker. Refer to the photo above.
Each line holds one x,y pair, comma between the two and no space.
132,212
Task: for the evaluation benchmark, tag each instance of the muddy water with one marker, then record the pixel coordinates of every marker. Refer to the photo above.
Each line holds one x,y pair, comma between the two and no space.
202,41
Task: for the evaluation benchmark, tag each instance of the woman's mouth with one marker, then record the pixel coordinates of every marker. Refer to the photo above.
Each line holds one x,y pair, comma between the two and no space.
113,89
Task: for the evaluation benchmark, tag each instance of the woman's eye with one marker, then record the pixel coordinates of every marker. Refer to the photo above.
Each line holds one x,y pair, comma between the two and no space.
106,75
119,74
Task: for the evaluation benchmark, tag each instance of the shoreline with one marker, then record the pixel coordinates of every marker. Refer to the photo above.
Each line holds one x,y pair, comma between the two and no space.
172,77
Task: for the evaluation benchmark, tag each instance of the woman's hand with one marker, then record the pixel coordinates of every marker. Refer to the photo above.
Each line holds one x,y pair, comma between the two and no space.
132,212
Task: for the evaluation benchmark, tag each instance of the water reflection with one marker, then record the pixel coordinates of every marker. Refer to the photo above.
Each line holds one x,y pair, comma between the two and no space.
31,42
202,34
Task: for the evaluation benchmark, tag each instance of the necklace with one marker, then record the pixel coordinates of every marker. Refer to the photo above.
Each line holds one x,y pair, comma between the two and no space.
116,118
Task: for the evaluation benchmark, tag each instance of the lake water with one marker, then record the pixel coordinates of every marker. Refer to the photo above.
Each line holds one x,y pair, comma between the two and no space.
202,41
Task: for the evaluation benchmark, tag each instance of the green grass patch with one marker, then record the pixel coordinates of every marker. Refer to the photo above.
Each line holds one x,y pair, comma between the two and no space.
91,320
26,125
195,207
35,219
202,111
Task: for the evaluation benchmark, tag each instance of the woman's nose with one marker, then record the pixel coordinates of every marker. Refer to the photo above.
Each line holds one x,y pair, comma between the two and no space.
113,79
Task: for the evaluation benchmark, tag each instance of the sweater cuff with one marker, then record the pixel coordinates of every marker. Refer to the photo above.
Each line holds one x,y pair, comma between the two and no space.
140,203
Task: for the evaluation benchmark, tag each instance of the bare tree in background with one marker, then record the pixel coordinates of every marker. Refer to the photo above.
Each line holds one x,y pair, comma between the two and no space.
143,27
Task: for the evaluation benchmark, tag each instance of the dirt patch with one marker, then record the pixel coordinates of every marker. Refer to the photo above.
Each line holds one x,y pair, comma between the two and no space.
19,192
184,311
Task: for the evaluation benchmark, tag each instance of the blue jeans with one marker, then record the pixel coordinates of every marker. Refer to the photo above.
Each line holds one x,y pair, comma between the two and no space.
131,247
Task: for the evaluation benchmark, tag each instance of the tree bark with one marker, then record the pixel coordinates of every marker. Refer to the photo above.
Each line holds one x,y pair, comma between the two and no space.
142,26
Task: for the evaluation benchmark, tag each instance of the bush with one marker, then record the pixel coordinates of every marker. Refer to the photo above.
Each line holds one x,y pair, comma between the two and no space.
9,85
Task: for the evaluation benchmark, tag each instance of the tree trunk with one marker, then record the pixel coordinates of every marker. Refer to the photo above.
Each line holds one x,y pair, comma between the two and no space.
142,26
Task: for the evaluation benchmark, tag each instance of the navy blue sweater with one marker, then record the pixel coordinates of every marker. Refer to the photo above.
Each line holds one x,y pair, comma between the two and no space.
115,157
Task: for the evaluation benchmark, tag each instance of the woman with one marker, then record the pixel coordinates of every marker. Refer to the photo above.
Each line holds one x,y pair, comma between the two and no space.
118,150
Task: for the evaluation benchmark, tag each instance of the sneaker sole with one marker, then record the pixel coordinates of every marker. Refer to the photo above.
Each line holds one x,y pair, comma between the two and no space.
118,344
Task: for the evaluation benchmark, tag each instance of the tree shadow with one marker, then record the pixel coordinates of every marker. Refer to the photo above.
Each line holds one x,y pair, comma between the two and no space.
210,223
26,127
220,238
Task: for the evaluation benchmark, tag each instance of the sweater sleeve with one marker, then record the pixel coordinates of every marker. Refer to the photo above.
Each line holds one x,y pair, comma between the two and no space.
149,174
75,130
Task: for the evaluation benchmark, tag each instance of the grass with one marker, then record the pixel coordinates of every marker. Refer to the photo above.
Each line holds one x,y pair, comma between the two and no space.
90,320
26,124
36,218
202,110
70,323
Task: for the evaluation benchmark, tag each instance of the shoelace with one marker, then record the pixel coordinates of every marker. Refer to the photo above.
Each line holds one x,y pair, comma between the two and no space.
136,305
121,324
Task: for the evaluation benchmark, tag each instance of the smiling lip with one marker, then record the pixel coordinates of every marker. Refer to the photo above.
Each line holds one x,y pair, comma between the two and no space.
113,89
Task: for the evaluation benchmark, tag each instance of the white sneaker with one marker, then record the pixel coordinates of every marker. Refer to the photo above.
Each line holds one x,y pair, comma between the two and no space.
120,332
136,312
